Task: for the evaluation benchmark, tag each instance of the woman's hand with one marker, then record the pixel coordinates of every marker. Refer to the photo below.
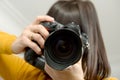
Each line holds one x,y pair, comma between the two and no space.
74,72
34,31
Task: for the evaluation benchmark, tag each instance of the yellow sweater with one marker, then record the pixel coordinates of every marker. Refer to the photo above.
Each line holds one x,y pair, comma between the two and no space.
13,67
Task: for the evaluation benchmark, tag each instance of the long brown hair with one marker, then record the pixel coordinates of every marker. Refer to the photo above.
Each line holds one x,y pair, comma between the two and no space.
94,62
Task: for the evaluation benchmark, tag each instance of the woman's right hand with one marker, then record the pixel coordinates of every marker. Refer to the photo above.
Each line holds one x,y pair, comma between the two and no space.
34,31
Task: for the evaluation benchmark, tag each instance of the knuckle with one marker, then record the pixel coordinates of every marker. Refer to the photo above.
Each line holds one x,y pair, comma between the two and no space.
23,39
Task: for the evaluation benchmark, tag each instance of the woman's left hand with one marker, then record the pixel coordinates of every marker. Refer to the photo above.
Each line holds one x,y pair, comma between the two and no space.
73,72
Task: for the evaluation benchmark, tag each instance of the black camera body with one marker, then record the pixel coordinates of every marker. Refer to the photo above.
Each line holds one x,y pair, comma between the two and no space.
63,47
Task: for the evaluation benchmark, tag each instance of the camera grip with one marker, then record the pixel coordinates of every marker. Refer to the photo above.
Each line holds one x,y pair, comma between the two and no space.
34,59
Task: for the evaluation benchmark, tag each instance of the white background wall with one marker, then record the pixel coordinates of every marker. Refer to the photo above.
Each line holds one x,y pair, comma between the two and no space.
16,14
109,15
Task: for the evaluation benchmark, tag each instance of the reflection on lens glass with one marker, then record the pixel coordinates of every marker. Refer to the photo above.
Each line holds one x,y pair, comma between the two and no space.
63,48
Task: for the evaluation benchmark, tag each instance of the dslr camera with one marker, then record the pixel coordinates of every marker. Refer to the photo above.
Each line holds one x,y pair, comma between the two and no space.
64,46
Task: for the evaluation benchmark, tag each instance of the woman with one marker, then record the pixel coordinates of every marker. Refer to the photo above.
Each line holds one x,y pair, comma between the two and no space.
92,66
94,62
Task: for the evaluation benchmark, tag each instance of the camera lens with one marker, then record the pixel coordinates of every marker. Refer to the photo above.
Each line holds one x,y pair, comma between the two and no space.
62,48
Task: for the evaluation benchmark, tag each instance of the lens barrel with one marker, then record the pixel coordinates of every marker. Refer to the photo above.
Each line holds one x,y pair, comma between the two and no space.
62,49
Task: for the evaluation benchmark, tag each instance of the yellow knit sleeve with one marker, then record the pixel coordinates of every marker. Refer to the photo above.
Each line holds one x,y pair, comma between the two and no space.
111,78
13,67
6,41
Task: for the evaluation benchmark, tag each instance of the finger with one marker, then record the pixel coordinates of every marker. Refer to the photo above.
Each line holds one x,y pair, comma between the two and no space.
41,30
39,39
42,18
33,46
